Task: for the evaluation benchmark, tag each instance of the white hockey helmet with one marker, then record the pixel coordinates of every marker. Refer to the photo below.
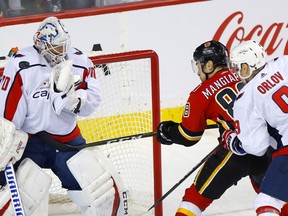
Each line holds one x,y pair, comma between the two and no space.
52,40
249,52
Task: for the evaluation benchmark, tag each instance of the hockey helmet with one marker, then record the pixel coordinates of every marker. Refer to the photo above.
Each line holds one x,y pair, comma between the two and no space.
52,40
211,50
249,52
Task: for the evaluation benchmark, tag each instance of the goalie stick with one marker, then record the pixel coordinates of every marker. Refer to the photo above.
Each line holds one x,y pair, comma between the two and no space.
185,177
14,191
65,147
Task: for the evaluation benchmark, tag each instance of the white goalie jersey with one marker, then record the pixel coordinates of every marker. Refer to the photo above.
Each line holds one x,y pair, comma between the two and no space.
266,93
26,92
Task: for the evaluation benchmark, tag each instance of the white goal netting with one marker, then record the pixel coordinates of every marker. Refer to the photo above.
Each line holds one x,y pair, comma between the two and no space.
130,106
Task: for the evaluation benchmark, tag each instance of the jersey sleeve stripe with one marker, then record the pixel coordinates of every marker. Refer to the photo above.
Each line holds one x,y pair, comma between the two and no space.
13,97
186,136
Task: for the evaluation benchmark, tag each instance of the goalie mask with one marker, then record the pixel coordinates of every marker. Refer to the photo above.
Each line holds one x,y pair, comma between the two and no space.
52,40
210,50
249,52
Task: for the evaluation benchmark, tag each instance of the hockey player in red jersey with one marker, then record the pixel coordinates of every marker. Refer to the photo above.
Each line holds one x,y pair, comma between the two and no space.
261,106
45,87
213,100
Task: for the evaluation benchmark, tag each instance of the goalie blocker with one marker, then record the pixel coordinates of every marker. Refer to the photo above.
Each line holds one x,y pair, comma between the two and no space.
102,190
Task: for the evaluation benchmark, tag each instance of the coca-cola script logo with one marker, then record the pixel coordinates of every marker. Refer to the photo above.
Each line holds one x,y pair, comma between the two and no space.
269,38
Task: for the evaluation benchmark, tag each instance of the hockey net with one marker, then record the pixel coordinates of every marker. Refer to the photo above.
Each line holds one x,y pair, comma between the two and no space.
130,83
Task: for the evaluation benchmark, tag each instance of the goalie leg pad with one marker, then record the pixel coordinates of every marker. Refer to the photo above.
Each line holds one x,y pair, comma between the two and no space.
99,180
33,184
5,203
102,188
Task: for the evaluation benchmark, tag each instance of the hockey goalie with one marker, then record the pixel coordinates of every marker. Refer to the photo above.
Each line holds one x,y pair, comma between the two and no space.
12,145
90,167
39,92
100,183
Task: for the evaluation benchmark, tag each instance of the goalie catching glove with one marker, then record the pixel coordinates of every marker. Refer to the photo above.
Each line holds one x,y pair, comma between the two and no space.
62,89
232,143
12,143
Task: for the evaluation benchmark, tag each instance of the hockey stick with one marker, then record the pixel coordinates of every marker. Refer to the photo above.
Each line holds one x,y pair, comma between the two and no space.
65,147
14,191
185,177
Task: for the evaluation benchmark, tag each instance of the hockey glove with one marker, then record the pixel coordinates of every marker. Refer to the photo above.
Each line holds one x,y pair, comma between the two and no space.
232,143
163,132
62,90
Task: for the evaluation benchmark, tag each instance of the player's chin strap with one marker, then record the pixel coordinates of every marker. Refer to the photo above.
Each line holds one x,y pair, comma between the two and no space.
207,74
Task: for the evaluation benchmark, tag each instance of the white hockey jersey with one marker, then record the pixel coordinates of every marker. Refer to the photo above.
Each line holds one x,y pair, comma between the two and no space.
262,102
25,96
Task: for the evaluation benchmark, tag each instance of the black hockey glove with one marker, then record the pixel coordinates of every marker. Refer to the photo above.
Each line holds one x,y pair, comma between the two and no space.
163,132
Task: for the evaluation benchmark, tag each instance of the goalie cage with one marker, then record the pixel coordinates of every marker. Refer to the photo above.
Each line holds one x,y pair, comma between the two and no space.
131,105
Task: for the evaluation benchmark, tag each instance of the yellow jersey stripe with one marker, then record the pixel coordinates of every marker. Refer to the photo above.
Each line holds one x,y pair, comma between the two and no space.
215,172
186,136
185,211
223,124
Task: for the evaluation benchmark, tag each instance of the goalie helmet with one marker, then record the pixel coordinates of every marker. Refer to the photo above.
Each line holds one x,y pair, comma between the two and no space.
52,40
211,50
249,52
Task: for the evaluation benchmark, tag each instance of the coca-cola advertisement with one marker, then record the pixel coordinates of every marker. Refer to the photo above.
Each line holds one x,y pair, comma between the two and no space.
273,38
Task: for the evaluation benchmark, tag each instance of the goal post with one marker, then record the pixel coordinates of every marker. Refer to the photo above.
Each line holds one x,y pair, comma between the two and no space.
131,105
140,86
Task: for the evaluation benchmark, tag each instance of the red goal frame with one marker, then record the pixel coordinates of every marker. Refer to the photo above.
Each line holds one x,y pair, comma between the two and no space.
155,82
